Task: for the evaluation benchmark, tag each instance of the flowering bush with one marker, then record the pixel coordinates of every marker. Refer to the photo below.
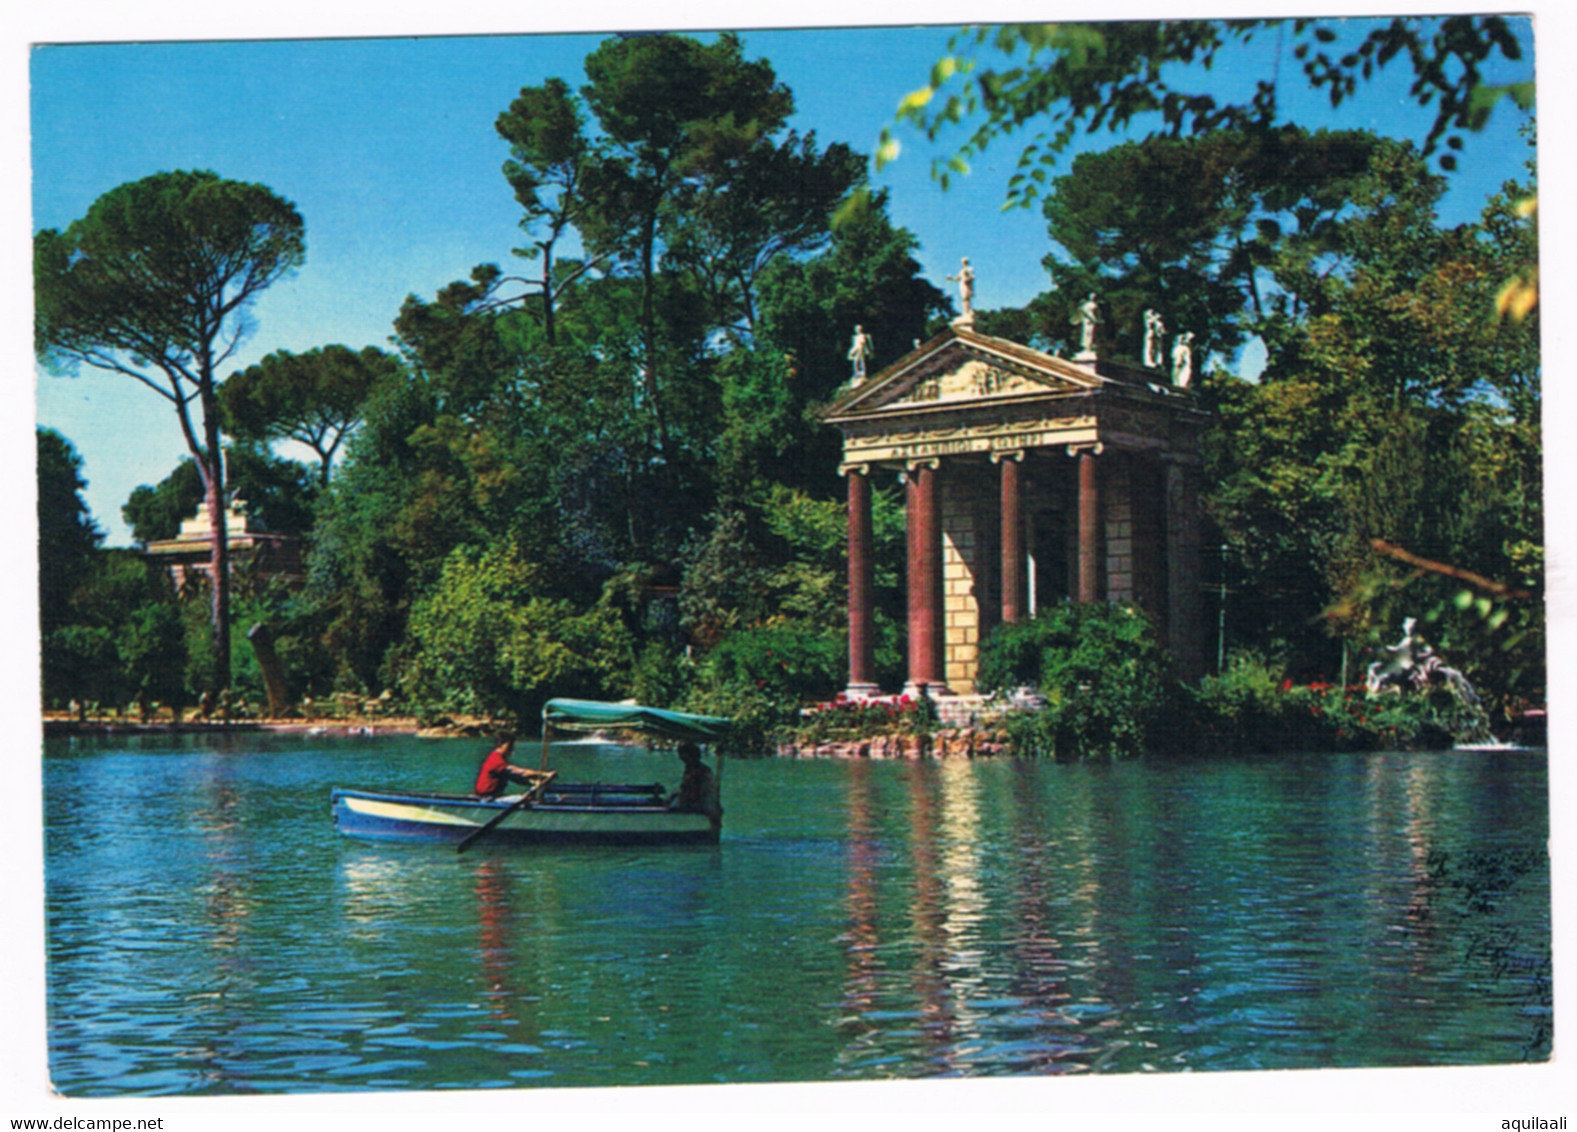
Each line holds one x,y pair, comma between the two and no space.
1254,708
843,719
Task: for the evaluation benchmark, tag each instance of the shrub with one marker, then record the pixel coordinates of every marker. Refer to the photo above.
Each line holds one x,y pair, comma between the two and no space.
784,663
1100,670
487,641
81,662
760,677
1253,708
662,675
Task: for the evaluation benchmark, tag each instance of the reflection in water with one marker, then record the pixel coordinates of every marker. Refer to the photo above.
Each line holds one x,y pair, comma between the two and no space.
861,937
371,885
214,934
495,923
1039,978
960,864
227,903
927,914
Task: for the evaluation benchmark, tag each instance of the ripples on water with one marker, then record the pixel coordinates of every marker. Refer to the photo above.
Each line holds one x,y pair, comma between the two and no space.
210,932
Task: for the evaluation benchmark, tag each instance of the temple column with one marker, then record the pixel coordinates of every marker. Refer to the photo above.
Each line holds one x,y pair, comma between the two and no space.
926,617
1185,631
1013,598
1089,524
862,647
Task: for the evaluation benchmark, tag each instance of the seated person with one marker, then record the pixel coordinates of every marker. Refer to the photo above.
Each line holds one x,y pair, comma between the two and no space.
698,788
496,773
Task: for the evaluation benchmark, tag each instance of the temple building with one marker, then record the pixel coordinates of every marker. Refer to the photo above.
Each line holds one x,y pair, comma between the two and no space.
1029,479
253,552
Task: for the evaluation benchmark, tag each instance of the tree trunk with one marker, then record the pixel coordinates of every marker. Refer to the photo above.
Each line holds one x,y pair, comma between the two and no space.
649,329
262,638
548,328
213,461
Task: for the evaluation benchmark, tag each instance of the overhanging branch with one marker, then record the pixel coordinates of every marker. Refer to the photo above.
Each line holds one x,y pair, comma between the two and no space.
1499,589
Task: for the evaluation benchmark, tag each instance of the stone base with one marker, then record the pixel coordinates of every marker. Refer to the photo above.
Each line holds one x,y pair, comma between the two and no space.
935,689
861,692
1086,357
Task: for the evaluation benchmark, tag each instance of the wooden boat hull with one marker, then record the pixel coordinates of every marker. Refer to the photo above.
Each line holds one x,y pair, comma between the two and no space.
575,814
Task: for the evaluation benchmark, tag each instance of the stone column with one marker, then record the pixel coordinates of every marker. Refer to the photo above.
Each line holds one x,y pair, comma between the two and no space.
862,646
925,579
1014,605
1089,524
1185,628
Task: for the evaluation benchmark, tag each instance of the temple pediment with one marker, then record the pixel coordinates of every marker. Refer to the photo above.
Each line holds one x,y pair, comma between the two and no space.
959,368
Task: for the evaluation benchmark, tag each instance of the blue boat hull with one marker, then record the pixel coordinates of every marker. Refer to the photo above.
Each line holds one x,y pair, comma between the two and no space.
577,814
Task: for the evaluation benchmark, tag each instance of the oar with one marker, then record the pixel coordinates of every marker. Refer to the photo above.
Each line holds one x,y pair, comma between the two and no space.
526,799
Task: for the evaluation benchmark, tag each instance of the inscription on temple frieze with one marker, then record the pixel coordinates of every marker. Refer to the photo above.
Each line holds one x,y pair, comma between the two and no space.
919,443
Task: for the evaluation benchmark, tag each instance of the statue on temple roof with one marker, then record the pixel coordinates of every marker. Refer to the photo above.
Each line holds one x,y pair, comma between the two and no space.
966,291
1089,318
859,350
1154,339
1183,360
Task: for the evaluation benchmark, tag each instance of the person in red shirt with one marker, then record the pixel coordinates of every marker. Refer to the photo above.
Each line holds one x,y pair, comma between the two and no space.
496,773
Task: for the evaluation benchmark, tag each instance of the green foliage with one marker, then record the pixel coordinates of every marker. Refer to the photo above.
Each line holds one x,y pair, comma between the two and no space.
1073,78
67,535
80,662
1100,671
315,398
760,678
486,641
677,116
124,636
785,664
279,495
758,719
134,284
662,675
870,277
152,645
645,411
156,513
1396,408
1253,707
154,283
1195,228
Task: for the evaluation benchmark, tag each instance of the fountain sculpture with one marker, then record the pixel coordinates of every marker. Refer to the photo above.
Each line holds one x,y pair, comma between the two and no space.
1412,665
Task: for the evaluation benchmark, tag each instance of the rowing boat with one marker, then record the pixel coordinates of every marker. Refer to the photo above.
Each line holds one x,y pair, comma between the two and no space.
559,813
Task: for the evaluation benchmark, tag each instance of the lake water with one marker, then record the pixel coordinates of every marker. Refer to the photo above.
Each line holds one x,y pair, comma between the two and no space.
210,932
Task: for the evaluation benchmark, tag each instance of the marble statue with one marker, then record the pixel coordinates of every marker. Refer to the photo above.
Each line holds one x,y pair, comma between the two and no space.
1089,318
859,350
1183,360
966,290
1154,340
1412,664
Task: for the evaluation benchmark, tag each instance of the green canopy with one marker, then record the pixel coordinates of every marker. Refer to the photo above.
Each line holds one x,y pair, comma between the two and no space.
593,715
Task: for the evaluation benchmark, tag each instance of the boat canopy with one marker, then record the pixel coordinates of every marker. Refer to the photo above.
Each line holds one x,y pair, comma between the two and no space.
593,715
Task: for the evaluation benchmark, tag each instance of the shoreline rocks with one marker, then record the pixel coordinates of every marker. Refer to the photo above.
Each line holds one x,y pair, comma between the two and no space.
951,742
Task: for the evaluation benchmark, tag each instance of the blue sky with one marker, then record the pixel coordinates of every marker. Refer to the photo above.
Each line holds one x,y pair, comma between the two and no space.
387,147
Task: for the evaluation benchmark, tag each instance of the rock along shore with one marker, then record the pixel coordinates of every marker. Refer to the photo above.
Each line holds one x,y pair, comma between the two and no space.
62,725
958,742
